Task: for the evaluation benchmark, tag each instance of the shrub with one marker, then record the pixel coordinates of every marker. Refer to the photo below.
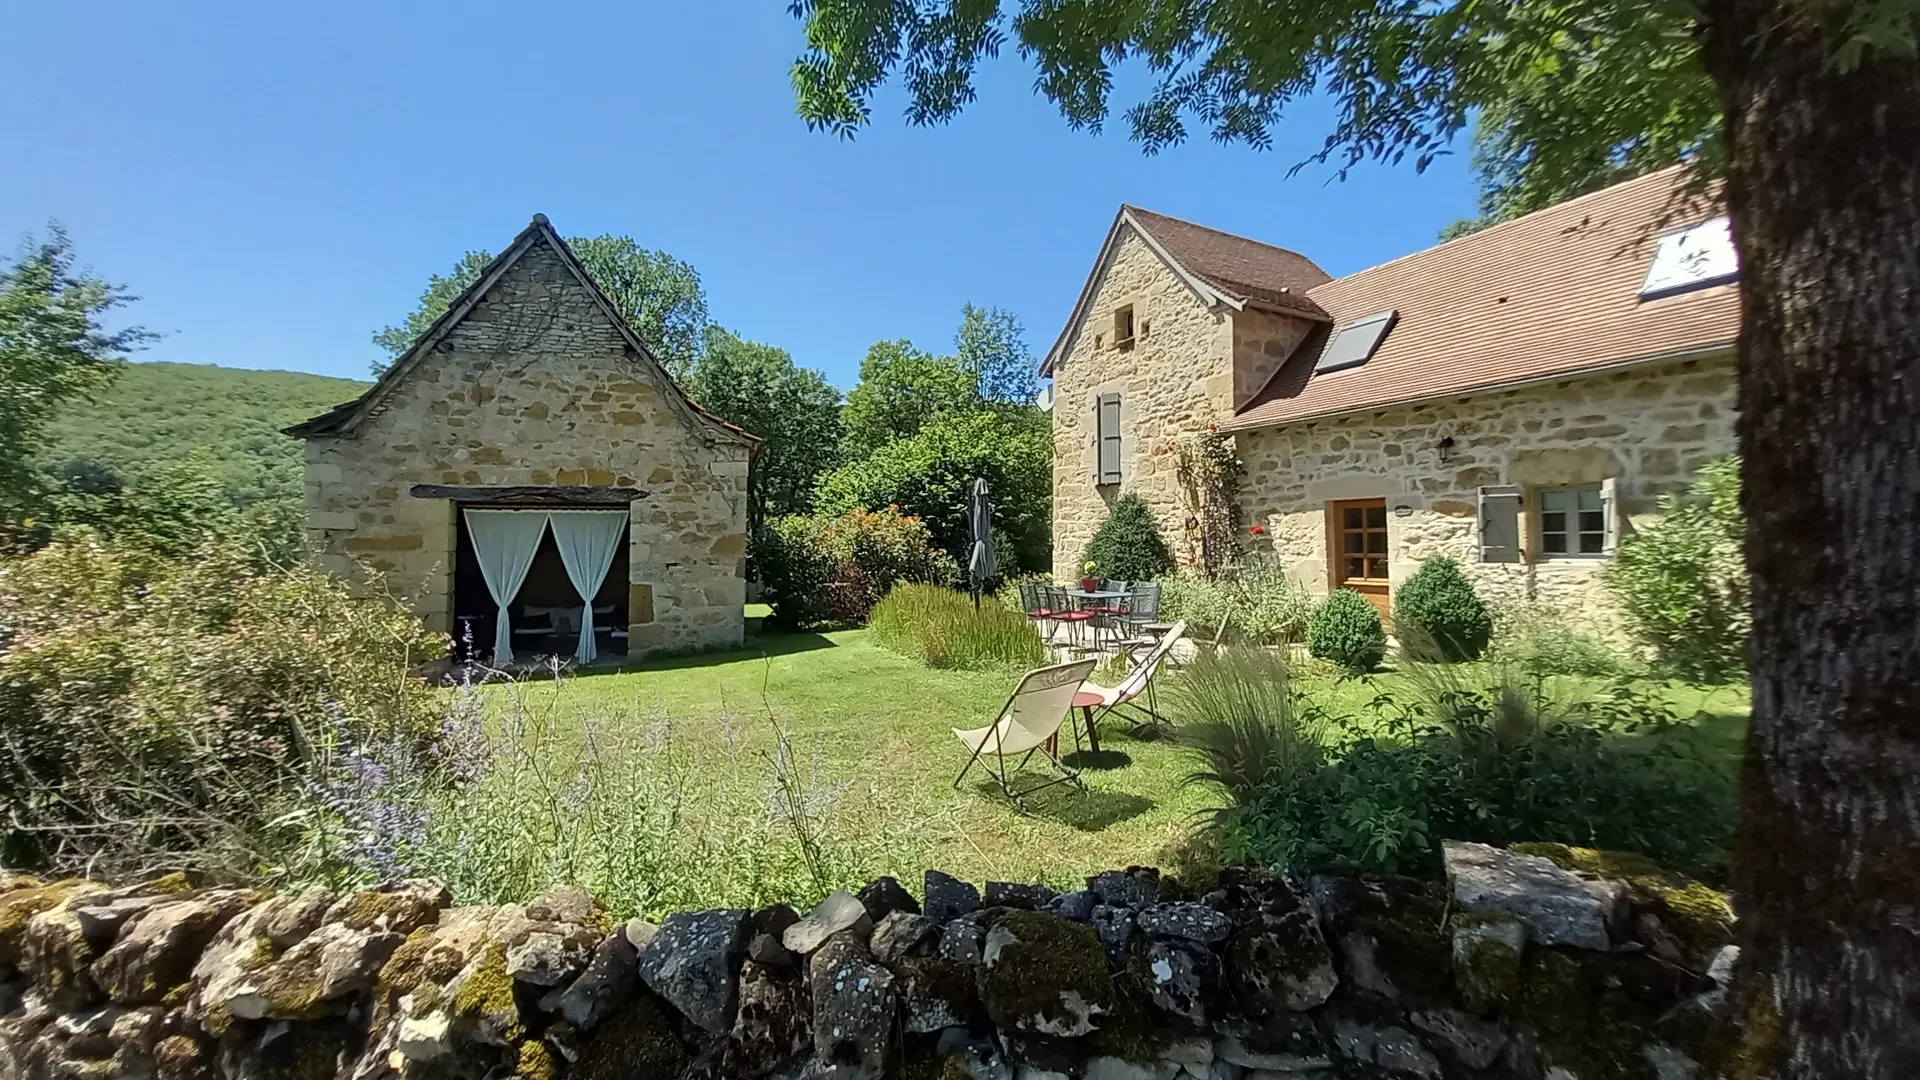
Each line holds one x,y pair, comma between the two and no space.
828,571
1260,604
159,713
1682,580
1542,644
1346,630
939,627
1239,716
1437,615
1128,545
930,475
1499,764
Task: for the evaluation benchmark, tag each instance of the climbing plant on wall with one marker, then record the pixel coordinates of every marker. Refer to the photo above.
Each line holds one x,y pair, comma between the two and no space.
1209,473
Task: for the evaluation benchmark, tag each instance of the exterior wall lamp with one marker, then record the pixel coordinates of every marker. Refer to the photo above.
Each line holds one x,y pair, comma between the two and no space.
1445,449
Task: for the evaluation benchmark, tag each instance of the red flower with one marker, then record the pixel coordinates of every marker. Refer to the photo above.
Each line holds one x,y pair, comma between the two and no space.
1257,530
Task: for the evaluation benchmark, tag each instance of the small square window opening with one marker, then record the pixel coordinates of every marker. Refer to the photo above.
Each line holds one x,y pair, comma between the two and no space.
1123,327
1572,522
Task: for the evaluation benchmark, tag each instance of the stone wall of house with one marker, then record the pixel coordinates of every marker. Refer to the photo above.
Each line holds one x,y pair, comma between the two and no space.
535,386
1650,429
1188,366
1522,966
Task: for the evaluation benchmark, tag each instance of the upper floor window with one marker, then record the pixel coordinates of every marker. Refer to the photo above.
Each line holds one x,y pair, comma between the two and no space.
1123,327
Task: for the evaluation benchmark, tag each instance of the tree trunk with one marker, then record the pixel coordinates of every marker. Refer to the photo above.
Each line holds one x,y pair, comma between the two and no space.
1823,182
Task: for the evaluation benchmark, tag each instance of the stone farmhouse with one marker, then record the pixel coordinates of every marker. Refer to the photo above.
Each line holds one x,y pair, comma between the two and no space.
527,451
1516,398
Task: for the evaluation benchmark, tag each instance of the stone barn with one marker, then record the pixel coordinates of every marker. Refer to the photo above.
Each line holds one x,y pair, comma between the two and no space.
529,478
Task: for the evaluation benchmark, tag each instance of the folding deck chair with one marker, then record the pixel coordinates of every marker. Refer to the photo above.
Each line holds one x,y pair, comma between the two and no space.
1028,724
1137,685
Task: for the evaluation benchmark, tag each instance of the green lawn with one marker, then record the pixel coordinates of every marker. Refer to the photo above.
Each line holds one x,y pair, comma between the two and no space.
878,728
872,739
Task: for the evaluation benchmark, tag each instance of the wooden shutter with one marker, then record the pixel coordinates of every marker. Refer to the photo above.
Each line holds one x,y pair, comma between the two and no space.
1500,524
1610,514
1109,427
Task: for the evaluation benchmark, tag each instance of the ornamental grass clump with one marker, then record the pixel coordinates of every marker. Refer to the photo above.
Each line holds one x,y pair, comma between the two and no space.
1240,717
1346,630
1438,616
941,628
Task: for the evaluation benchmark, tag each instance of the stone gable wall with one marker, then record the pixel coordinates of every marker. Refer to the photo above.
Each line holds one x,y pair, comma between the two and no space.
1650,428
1174,381
1556,965
535,387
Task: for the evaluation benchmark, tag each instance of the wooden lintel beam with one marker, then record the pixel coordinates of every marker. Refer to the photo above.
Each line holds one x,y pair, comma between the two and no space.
529,494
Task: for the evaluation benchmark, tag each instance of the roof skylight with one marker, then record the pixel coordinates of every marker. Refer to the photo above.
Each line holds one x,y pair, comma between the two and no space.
1354,343
1692,258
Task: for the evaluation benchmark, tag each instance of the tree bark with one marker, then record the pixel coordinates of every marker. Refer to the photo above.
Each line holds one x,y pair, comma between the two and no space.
1823,183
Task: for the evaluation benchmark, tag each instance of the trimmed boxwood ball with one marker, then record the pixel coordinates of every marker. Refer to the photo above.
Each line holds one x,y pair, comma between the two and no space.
1346,630
1438,616
1128,545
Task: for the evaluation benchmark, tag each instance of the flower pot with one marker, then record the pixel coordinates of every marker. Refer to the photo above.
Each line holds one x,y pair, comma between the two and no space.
1091,584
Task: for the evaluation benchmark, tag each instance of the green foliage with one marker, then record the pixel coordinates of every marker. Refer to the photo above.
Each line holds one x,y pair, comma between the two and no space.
1240,717
991,347
1682,580
901,390
1499,764
1541,643
821,570
175,508
1260,603
661,297
157,712
794,409
930,475
154,415
54,348
1438,616
1346,630
940,627
1569,96
1128,545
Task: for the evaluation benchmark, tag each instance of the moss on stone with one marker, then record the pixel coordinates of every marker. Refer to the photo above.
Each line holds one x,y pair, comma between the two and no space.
21,905
487,991
1129,1031
1050,957
180,1057
292,990
404,970
1488,975
925,1065
259,954
1700,916
170,884
637,1040
1582,1023
535,1062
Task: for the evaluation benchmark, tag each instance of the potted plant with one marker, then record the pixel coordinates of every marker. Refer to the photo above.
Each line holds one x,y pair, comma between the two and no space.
1090,583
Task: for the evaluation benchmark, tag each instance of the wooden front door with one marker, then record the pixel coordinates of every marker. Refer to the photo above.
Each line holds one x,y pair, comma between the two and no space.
1358,546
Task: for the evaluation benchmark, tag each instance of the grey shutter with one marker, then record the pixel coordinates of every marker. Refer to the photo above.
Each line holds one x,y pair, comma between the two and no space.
1610,514
1500,524
1109,471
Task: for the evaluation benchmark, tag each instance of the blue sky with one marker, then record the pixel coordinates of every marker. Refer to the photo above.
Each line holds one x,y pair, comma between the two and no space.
276,181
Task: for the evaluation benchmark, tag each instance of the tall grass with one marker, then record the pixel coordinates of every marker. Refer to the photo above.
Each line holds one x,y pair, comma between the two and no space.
524,793
940,628
1240,717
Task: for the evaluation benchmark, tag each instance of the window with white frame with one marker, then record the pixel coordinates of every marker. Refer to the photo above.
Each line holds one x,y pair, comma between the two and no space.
1573,521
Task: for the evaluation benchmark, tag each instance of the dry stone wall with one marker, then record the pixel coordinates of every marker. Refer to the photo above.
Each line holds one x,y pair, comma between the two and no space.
535,387
1552,966
1649,429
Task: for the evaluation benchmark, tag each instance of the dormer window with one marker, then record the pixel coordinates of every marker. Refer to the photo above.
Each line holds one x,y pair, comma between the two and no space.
1354,343
1692,258
1123,327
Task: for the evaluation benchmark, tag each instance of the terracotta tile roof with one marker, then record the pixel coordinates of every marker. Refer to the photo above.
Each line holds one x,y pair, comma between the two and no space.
1244,269
1550,294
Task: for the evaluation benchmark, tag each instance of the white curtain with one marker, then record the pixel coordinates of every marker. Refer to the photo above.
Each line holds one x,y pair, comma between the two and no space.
588,540
505,541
